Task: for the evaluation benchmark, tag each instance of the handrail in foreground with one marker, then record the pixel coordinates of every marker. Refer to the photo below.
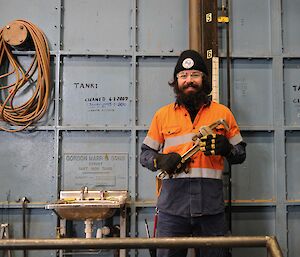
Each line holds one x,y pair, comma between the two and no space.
270,242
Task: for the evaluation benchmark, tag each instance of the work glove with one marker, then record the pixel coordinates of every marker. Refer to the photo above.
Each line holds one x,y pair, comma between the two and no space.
167,162
215,144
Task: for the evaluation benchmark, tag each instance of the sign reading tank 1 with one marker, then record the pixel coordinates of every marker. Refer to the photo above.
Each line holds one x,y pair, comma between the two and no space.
95,170
96,98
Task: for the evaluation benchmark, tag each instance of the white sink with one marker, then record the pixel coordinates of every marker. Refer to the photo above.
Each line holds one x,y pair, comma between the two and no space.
88,205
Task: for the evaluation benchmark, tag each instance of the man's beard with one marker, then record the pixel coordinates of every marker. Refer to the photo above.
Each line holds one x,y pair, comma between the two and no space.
192,101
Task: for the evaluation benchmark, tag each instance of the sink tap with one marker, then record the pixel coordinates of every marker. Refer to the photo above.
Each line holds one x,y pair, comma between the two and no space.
101,195
83,192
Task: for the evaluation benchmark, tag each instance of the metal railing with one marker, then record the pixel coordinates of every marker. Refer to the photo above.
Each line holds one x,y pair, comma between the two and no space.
269,242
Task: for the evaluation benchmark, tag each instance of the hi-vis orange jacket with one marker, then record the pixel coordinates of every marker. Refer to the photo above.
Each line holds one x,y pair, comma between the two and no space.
172,130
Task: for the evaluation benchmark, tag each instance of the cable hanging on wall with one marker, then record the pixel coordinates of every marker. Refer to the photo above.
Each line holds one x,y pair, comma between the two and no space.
17,108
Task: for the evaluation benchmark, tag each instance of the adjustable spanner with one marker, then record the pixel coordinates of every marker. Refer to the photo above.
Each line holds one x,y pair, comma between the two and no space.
203,131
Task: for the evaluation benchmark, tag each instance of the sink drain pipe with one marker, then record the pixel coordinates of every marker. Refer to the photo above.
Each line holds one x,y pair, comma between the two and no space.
88,228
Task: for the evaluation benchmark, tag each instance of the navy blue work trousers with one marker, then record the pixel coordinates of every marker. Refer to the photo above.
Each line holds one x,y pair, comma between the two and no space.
177,226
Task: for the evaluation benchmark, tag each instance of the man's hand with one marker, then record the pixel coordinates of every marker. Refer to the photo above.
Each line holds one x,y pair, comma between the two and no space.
215,144
167,162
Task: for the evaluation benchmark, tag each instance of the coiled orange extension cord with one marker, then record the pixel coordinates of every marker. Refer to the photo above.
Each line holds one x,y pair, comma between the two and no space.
32,110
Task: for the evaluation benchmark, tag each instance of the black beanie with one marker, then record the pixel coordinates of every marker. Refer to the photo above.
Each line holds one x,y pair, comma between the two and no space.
190,60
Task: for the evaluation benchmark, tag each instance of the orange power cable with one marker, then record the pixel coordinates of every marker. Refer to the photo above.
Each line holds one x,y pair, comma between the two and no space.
25,114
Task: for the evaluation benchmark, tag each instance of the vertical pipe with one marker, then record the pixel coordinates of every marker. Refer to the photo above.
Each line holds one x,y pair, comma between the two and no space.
24,207
228,57
229,106
273,247
194,25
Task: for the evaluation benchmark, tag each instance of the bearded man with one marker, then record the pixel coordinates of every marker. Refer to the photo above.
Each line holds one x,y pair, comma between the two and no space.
190,200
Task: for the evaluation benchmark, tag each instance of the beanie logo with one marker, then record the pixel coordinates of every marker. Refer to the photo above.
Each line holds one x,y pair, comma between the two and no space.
187,63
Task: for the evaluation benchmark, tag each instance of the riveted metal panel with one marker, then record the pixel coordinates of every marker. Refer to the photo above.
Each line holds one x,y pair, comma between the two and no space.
255,221
39,224
97,25
293,231
251,34
292,92
252,92
96,91
293,164
254,179
27,166
153,91
169,17
31,11
81,153
290,26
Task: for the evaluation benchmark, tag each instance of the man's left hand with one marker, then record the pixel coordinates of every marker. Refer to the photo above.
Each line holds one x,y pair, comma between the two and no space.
215,144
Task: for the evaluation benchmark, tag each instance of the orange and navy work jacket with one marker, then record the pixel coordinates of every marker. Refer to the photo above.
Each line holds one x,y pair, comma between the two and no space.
172,130
200,191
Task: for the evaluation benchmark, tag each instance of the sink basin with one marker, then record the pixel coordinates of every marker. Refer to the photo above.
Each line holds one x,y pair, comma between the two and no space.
92,205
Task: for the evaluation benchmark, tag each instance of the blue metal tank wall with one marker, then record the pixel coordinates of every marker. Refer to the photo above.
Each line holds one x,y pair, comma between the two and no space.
110,64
